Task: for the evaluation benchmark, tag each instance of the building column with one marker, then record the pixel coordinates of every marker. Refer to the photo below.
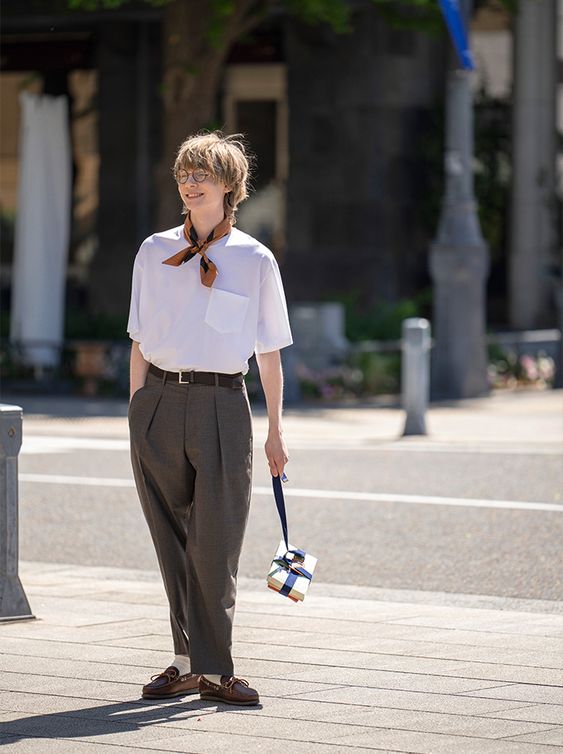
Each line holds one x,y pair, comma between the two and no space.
533,211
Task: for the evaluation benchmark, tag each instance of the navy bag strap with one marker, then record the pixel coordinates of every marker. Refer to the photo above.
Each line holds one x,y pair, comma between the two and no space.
286,561
280,505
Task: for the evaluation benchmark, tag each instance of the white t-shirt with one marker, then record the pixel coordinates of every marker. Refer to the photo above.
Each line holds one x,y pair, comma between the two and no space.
180,324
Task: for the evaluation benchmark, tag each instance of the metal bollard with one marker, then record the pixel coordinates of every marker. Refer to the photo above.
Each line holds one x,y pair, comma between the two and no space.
13,602
415,374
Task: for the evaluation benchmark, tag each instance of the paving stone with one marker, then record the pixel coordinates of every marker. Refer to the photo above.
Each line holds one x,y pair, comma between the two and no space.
471,638
122,731
538,713
254,724
84,634
436,722
334,673
336,659
423,743
126,690
118,691
147,661
347,606
510,673
95,671
77,612
297,623
551,737
252,635
453,703
14,646
212,743
489,621
60,746
418,681
31,702
492,655
524,692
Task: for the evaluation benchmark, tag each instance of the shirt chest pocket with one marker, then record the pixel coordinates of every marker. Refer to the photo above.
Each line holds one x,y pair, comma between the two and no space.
226,311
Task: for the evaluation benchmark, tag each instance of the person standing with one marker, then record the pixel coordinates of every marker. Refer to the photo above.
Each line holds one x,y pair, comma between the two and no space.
205,296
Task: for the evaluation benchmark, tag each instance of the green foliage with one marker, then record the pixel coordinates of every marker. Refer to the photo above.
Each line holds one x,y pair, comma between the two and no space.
81,325
423,15
335,13
4,325
92,5
381,372
492,169
221,10
381,321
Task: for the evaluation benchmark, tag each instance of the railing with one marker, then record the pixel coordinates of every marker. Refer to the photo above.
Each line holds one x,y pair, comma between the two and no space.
93,365
88,364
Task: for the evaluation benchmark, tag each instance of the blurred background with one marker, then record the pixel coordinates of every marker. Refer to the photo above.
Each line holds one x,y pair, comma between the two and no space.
346,105
410,189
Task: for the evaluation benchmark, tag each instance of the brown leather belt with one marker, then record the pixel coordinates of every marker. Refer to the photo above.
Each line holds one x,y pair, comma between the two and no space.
203,378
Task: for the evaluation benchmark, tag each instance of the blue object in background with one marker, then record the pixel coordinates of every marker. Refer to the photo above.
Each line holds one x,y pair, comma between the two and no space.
454,21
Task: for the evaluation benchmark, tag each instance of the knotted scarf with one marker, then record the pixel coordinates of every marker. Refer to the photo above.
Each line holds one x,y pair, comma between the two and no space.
207,268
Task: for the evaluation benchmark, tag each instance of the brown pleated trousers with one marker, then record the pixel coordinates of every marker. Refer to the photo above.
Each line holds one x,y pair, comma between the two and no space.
191,451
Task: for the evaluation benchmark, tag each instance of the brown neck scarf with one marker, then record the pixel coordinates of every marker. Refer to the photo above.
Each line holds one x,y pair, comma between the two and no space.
207,269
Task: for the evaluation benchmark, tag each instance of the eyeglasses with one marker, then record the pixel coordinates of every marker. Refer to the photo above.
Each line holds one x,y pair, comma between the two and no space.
199,176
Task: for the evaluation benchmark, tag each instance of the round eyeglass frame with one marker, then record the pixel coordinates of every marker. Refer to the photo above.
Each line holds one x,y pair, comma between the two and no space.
199,175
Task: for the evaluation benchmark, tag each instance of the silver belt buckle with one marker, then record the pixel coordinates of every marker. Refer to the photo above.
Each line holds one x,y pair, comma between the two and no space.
188,381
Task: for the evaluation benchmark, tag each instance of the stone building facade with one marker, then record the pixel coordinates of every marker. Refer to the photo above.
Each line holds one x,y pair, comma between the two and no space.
338,123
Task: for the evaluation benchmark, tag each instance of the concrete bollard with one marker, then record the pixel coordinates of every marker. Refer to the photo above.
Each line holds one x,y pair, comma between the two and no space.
415,374
13,602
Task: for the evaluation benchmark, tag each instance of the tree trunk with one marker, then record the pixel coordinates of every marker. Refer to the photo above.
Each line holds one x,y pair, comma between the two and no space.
192,67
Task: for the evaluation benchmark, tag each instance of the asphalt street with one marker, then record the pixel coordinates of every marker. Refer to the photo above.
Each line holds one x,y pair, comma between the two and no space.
474,508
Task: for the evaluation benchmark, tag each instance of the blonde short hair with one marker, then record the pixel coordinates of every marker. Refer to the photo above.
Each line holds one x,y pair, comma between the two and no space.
224,156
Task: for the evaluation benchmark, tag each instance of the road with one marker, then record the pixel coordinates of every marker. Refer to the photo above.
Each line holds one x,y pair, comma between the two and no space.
475,508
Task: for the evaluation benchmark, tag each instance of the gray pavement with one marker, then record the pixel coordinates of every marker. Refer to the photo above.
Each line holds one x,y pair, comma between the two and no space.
474,507
345,670
434,622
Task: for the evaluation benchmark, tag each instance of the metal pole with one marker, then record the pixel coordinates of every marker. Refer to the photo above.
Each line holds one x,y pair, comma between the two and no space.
13,602
415,374
459,259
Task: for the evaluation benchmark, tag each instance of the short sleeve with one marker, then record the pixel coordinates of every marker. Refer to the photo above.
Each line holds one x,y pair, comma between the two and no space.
133,324
273,331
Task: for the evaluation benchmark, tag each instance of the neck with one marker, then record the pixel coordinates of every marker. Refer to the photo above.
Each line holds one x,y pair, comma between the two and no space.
204,222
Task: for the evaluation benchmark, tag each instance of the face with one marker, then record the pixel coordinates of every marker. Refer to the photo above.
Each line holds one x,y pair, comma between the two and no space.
199,190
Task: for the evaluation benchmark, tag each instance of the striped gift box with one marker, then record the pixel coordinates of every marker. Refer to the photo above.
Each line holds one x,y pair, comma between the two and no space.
291,572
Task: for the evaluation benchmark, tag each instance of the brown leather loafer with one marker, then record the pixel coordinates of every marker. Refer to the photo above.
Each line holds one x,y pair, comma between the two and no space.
170,683
231,691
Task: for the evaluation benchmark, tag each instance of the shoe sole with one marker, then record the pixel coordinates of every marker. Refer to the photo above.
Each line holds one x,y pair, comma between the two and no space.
207,698
170,696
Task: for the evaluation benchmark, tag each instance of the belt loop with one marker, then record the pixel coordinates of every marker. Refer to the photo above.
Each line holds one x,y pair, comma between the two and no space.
164,375
216,379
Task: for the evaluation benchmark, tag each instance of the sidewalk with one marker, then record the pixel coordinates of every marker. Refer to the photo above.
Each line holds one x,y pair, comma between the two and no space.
520,419
350,669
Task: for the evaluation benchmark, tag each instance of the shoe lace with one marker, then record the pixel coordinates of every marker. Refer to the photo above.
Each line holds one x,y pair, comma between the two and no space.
231,682
170,674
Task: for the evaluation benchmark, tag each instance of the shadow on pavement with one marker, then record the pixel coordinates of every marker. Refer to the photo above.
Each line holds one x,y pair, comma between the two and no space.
116,718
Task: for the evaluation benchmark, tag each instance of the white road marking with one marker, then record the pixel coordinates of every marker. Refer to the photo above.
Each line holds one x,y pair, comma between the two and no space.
41,444
33,444
373,497
82,481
